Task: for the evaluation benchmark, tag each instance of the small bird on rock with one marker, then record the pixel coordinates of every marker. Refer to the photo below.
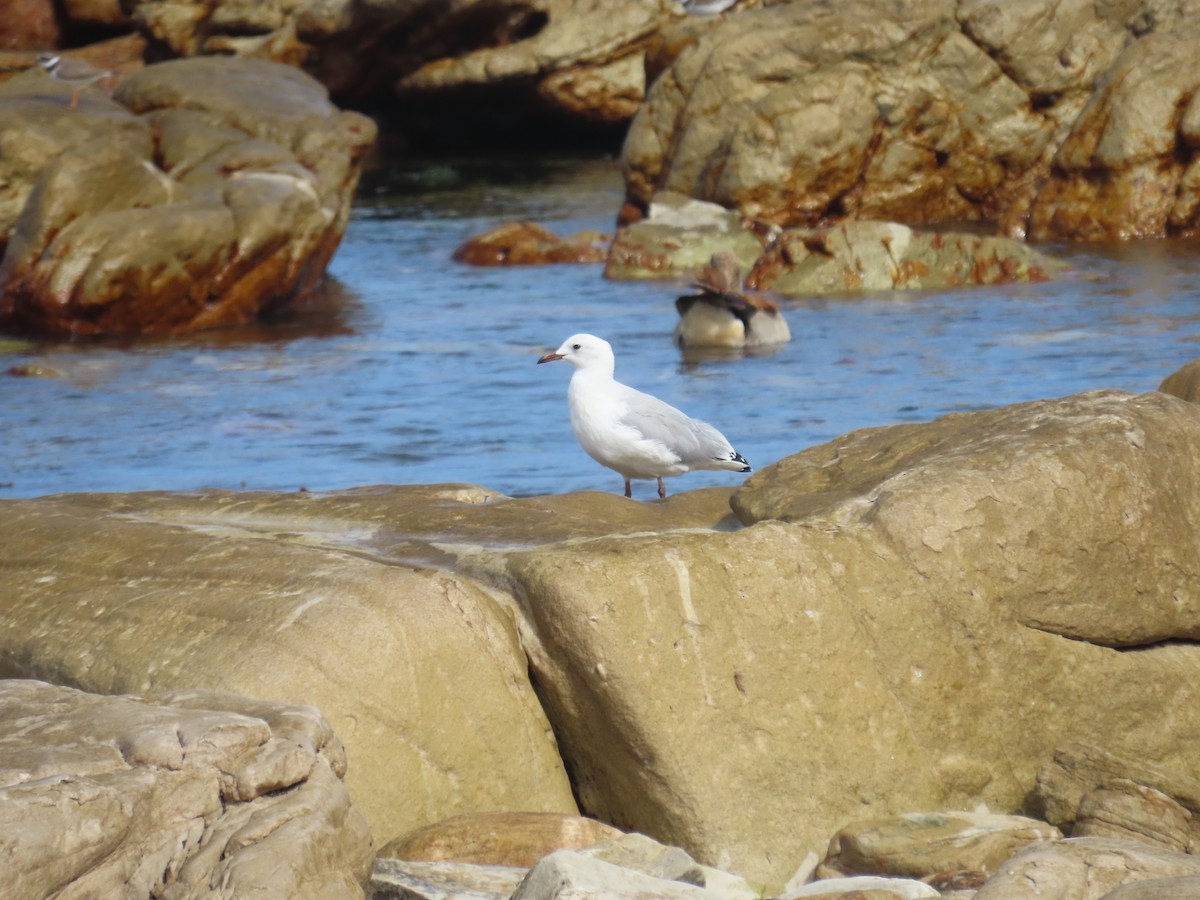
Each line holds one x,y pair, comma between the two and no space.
634,434
75,73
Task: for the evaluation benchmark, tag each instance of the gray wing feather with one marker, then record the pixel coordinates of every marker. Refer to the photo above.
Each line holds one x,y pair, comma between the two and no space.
690,439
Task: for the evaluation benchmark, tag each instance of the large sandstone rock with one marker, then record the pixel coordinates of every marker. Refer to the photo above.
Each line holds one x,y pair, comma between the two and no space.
174,796
1084,869
419,671
581,60
214,191
803,114
910,618
1130,166
895,590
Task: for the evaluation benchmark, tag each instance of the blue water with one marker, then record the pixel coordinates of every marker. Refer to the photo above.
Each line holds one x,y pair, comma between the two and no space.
414,369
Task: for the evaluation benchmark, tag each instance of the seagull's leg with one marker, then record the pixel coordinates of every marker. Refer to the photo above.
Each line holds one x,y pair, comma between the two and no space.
74,104
662,489
628,489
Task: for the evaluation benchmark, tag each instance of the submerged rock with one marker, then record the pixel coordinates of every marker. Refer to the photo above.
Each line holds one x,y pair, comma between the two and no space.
216,190
527,244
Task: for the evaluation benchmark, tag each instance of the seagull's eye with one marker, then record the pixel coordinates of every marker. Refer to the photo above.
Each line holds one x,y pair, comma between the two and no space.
575,346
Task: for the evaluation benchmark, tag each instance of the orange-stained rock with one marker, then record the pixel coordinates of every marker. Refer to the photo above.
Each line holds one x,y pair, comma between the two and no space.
208,192
867,256
527,244
28,25
1071,121
1131,165
499,838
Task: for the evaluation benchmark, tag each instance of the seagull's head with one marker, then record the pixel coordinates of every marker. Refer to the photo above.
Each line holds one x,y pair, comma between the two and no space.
49,61
583,351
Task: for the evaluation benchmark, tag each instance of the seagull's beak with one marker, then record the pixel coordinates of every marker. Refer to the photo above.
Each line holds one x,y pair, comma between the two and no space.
550,357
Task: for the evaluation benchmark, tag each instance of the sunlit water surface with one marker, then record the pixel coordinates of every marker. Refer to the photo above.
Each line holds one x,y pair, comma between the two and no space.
414,369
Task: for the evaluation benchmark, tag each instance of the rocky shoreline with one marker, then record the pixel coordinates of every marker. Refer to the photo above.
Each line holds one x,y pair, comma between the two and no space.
956,657
913,619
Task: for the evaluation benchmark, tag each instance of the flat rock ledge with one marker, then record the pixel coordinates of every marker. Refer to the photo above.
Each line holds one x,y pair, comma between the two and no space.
173,795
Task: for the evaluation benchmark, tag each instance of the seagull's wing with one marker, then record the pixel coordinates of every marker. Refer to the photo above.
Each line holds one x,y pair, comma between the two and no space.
696,443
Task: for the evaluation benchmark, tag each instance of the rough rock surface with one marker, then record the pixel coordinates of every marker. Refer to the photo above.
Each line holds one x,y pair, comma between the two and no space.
884,256
173,795
1184,383
1085,789
803,114
864,887
918,845
678,238
1130,167
890,591
213,191
527,244
583,60
28,25
419,671
1083,869
498,838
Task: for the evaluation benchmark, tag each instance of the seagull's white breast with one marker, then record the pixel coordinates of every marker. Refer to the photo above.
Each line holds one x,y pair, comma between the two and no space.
598,410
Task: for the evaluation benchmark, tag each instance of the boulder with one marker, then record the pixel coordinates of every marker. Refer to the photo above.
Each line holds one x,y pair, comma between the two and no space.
1071,120
173,795
1184,383
582,61
801,114
419,671
212,192
1083,869
1085,789
920,845
885,256
528,244
907,618
92,13
498,838
1183,887
1130,167
892,589
29,25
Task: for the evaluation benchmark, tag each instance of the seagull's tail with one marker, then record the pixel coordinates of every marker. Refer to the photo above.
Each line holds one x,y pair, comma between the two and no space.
734,461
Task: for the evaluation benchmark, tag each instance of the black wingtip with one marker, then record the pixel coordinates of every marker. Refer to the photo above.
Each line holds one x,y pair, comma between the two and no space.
747,469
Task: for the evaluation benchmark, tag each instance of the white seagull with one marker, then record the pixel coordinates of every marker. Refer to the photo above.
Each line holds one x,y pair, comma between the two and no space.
632,433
